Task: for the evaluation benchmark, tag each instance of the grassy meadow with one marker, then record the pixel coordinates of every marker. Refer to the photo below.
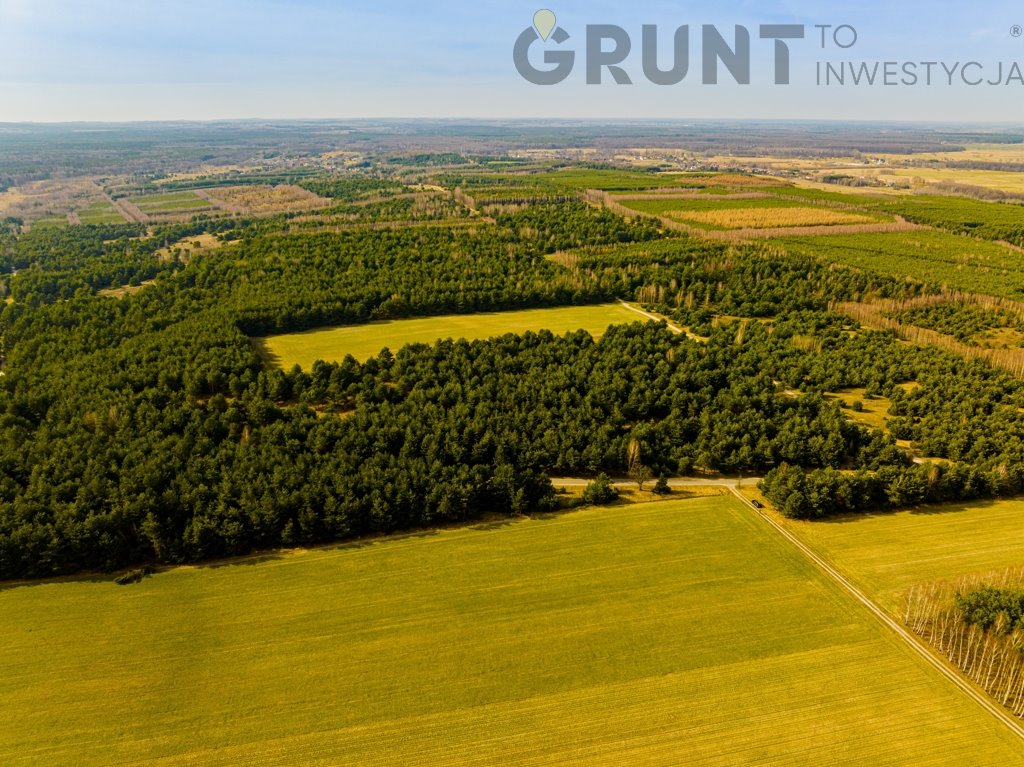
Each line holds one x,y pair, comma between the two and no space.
656,634
50,222
367,340
885,554
169,202
1004,181
752,212
100,213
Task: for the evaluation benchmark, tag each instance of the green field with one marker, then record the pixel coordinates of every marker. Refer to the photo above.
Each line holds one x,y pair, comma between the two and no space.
663,205
885,554
755,213
170,202
679,632
490,185
50,222
365,341
619,180
100,213
959,263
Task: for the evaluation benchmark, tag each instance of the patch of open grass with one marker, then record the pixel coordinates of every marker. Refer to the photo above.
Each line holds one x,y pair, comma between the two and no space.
887,553
100,213
1005,181
124,290
170,202
651,634
191,246
367,340
50,222
873,412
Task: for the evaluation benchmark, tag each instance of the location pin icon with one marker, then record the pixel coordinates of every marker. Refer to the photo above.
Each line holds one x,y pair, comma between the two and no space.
544,21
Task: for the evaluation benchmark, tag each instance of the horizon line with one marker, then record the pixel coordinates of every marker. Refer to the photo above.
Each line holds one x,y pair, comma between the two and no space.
510,120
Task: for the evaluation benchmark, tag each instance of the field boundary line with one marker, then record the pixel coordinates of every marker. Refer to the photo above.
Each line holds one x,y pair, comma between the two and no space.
204,194
922,650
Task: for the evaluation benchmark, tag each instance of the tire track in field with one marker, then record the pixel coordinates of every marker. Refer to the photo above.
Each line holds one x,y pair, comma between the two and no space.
912,641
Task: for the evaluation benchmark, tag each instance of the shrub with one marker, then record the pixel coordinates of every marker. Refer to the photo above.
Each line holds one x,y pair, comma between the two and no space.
600,491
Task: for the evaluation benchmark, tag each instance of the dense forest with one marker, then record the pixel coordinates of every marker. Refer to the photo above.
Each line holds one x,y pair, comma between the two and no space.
969,324
148,428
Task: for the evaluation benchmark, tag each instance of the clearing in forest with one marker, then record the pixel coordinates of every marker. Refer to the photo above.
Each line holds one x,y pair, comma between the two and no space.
367,340
716,213
171,202
264,199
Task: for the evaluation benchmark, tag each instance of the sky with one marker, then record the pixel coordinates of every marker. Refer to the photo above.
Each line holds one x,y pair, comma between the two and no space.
112,60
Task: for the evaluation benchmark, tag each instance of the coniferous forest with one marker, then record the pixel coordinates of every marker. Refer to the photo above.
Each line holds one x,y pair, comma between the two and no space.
147,427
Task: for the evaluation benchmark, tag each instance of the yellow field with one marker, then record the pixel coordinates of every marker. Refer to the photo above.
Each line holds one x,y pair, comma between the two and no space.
979,152
885,554
681,632
769,218
1001,180
992,179
365,341
261,200
860,191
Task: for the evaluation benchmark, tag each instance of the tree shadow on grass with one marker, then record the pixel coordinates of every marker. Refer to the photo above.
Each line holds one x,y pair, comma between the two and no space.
497,523
146,571
375,540
240,561
927,509
954,507
351,544
271,359
94,578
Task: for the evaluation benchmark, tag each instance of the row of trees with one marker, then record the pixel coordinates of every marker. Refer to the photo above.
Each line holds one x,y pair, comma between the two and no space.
975,622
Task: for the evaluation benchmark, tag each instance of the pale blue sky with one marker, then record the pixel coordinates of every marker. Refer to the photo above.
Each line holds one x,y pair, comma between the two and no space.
210,59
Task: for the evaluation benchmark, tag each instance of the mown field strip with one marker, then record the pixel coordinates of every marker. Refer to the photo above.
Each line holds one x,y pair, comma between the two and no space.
682,631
